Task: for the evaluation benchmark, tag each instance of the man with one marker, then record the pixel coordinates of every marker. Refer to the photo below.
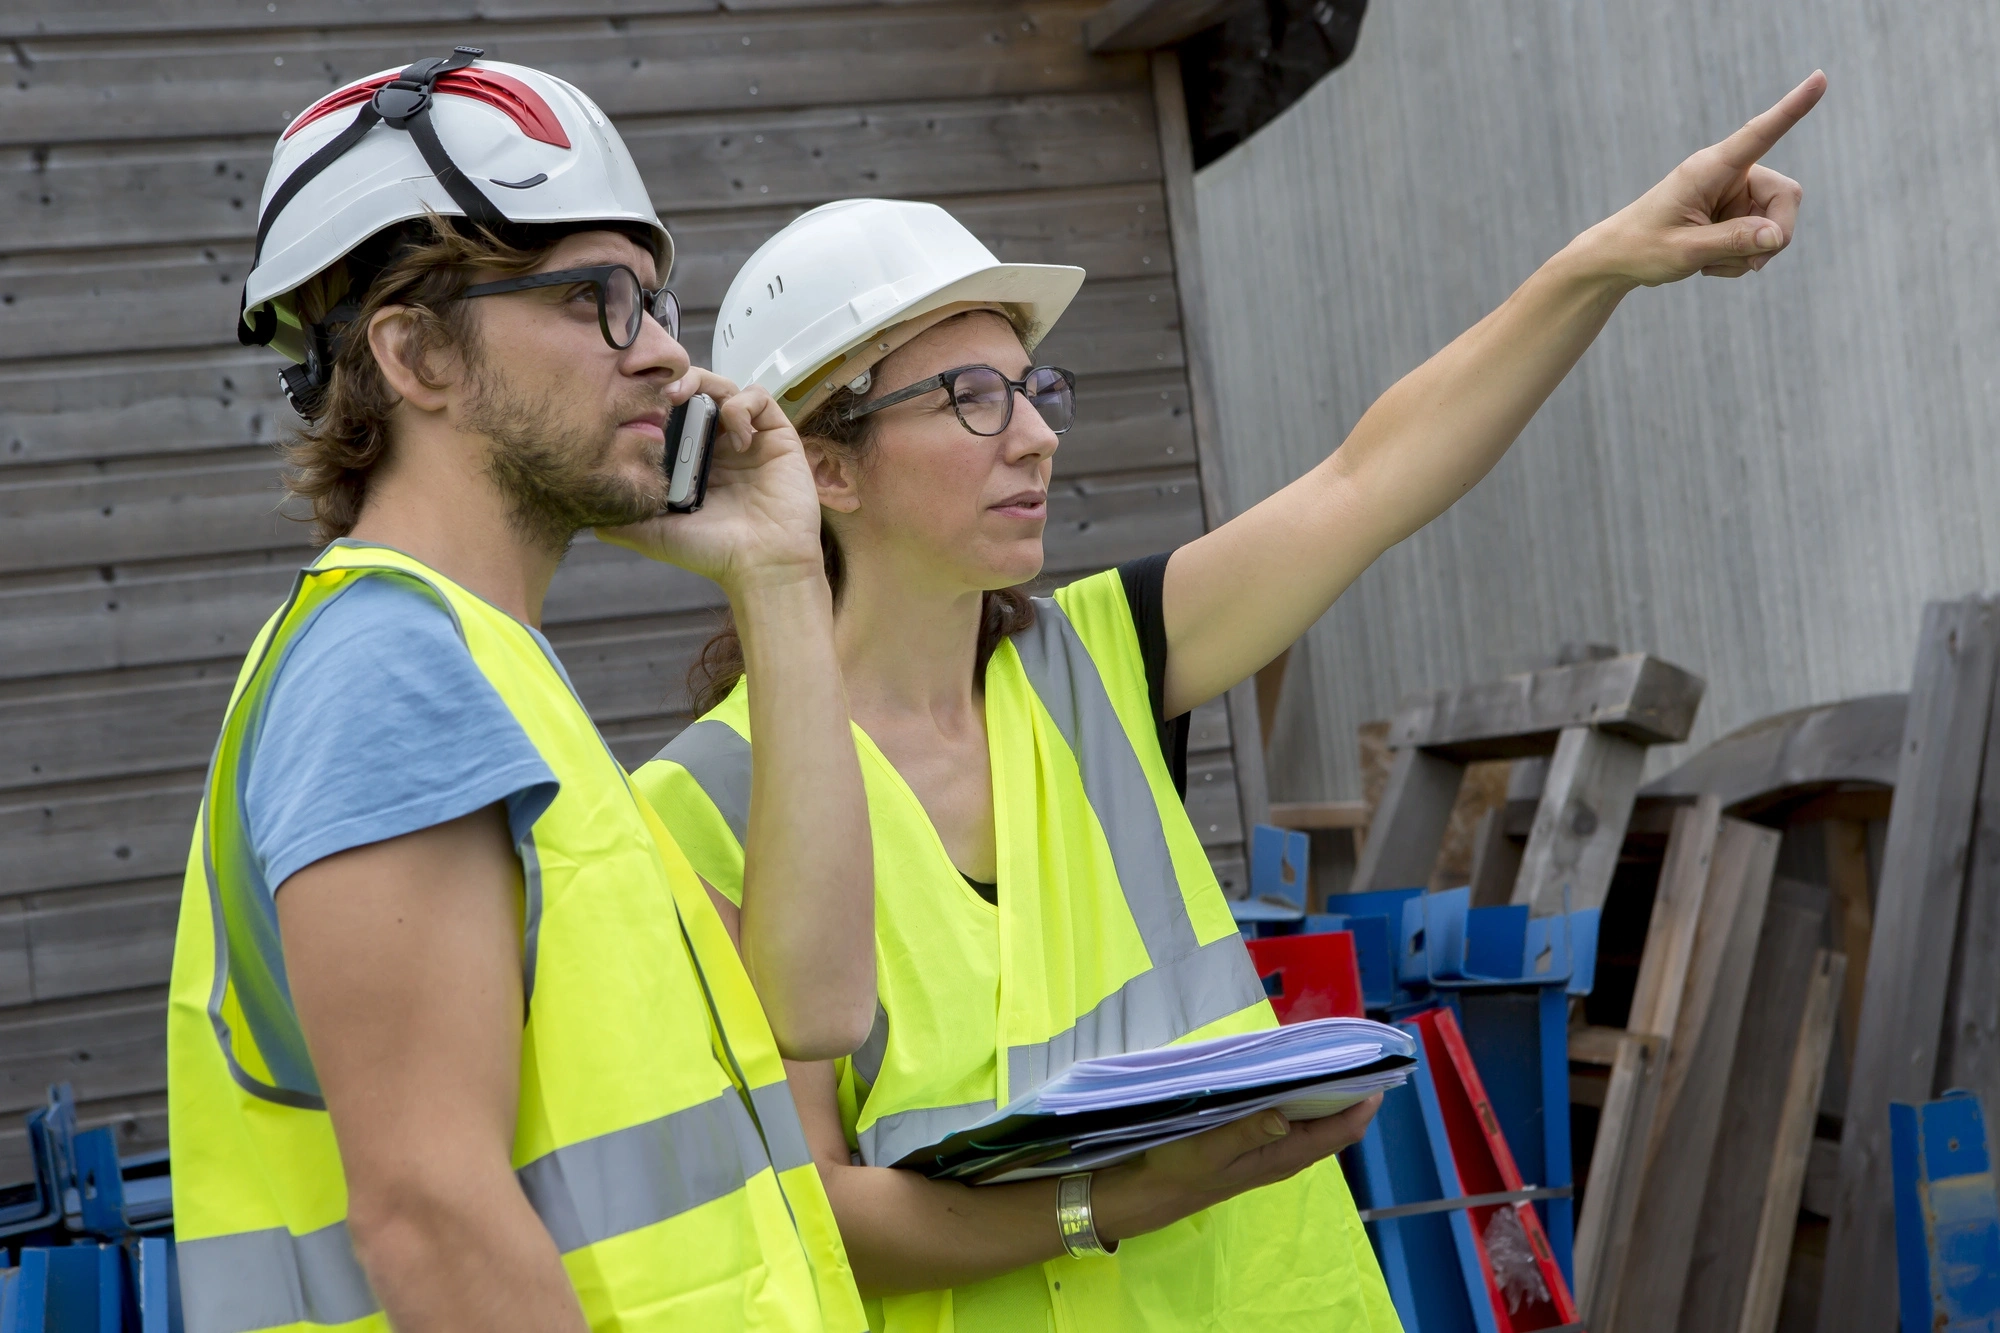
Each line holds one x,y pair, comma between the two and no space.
456,1039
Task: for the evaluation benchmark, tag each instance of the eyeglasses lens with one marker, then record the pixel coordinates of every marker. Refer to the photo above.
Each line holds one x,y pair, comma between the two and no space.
667,309
621,306
981,396
1049,390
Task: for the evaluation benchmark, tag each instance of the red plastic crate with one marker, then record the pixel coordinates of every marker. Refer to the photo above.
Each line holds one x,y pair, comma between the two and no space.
1310,976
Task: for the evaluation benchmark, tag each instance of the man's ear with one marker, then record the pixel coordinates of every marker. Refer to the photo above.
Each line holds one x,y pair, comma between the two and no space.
835,475
392,337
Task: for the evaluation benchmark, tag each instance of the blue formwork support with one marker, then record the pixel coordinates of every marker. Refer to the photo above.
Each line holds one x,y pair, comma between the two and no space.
67,1289
1427,1259
1947,1216
159,1286
1376,920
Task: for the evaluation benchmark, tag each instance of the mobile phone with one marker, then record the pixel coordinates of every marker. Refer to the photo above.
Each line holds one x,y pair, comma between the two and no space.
690,445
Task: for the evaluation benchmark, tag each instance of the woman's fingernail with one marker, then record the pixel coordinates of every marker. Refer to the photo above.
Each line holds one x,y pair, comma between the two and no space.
1276,1125
1768,237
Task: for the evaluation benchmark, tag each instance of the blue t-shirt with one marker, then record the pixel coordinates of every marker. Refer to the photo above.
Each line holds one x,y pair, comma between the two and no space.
380,724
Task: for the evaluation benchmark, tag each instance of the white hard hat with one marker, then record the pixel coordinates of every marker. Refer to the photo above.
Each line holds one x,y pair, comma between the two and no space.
458,136
842,286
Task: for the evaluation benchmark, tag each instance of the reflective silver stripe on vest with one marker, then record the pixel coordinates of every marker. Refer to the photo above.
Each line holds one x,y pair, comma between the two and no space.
869,1056
1160,1005
894,1137
718,758
269,1279
631,1178
779,1115
1189,985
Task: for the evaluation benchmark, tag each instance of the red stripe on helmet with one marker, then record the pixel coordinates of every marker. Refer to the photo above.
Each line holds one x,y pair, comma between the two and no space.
503,91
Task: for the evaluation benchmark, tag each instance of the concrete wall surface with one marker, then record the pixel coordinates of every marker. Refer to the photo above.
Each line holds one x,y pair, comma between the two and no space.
1761,480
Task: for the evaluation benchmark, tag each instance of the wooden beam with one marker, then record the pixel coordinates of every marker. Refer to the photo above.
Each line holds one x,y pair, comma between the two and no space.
1635,696
1719,1268
1177,178
1144,25
1595,1045
1854,917
1313,815
1785,1183
1855,740
1611,1192
1696,1082
1580,823
1916,917
1969,1055
1677,906
1409,824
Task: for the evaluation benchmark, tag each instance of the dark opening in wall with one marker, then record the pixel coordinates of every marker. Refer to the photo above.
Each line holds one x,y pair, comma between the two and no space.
1245,70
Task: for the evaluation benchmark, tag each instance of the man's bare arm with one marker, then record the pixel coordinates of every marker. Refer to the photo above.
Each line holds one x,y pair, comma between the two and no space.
404,959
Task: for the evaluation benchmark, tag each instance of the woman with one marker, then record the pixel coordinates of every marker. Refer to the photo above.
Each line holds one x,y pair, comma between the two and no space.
1041,895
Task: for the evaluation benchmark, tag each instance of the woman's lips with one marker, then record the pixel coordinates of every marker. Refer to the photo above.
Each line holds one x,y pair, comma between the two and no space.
1023,506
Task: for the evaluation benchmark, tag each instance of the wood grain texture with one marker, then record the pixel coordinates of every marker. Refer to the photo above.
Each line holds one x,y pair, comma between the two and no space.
1617,1165
1791,1155
1732,1211
1916,913
1696,1081
1580,822
142,540
91,90
1661,988
1519,717
1409,823
1764,479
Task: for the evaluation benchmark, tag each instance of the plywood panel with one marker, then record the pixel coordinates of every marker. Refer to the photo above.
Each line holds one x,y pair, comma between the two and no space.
92,90
1762,480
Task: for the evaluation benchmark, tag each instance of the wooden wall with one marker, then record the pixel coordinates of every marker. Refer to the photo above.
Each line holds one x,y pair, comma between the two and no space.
142,538
1762,480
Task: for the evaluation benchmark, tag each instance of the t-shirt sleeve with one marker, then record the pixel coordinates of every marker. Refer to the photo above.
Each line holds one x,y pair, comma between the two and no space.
378,724
1144,580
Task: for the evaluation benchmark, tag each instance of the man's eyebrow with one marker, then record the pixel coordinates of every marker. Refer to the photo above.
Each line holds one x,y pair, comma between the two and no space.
598,261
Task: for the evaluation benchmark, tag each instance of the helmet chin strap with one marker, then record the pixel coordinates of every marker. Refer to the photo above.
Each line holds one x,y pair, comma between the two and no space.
404,103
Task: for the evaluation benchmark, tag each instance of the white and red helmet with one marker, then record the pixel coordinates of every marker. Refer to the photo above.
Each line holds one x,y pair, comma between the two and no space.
456,135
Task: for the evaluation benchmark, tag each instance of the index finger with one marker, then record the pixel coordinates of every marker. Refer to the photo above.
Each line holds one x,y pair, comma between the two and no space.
1761,134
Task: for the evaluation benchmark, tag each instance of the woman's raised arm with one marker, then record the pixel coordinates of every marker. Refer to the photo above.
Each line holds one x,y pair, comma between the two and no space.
1235,598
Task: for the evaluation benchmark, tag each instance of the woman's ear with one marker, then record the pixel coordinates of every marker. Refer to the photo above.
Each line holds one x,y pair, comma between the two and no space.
392,338
836,476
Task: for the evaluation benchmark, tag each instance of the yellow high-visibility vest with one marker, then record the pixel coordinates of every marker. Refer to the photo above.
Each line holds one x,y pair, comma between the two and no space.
1111,935
655,1135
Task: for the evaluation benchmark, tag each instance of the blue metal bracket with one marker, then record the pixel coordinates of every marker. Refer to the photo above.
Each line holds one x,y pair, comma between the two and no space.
1947,1216
1447,943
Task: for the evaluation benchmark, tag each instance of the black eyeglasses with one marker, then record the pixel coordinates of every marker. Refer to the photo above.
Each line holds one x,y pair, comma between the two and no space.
983,398
622,302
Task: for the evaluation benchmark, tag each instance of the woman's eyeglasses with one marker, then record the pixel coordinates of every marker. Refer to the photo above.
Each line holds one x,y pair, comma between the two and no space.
622,303
983,398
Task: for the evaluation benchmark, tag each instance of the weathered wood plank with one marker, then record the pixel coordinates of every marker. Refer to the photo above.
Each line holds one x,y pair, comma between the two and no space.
1697,1079
106,1045
1580,822
1617,1162
1969,1051
90,90
1659,992
64,304
1916,911
100,725
95,940
100,834
1177,177
1143,25
1409,823
1854,740
1725,1239
1784,1184
1635,696
191,191
117,18
1854,916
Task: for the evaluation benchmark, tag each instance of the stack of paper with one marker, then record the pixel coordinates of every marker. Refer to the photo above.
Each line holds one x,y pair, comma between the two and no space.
1100,1112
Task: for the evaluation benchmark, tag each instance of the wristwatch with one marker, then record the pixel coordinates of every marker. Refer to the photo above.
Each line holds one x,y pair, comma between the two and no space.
1074,1220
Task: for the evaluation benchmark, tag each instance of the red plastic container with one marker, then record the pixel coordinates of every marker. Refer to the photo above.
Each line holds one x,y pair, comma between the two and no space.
1310,976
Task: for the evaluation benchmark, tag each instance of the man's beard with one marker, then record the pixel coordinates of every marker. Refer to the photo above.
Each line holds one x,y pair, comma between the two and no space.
553,472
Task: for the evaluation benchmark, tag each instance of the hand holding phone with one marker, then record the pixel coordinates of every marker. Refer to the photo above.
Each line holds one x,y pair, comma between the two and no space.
690,447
